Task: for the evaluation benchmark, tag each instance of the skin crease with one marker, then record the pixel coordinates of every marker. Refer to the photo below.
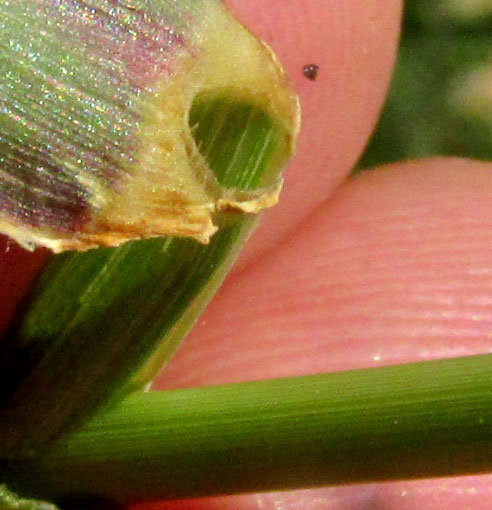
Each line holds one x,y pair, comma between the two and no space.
391,266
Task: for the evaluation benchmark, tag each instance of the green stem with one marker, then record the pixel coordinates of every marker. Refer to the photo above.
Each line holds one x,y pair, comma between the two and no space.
416,420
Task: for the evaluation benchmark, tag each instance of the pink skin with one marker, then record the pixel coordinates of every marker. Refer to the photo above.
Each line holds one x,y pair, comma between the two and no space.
18,268
389,267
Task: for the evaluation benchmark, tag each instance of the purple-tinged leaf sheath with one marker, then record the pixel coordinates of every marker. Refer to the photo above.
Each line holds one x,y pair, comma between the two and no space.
95,146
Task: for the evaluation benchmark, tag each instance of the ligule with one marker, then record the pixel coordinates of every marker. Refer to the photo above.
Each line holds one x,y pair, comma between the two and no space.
98,324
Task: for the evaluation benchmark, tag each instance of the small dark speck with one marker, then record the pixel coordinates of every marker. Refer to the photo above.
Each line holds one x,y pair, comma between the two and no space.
311,71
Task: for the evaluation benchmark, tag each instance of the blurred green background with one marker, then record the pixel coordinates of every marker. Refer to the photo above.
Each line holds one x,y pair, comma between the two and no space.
440,101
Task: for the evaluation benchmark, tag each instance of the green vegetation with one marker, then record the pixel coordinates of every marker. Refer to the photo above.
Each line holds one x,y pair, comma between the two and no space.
440,101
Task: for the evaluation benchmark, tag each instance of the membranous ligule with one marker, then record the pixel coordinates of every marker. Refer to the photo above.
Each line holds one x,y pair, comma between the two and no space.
96,146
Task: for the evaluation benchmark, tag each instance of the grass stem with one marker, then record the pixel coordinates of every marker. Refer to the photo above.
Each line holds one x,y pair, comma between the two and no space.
408,421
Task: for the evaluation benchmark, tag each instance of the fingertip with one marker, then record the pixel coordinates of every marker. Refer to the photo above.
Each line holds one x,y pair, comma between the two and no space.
354,44
395,267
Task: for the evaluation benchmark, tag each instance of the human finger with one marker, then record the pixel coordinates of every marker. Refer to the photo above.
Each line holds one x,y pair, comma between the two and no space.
395,267
354,44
